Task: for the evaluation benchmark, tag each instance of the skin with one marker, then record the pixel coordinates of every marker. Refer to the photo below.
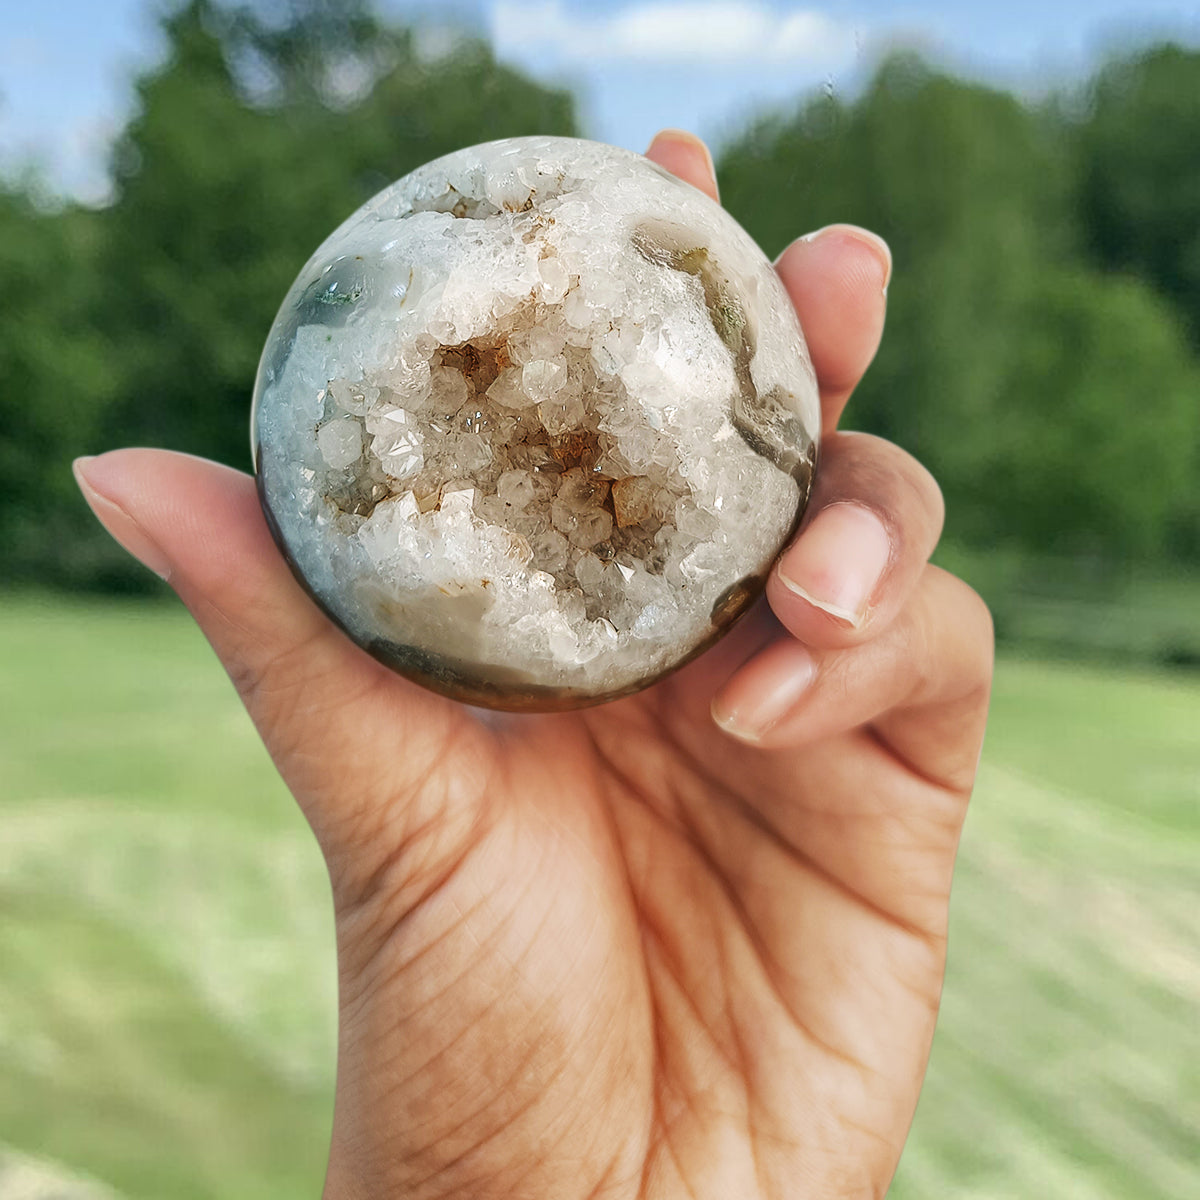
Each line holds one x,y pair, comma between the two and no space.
689,944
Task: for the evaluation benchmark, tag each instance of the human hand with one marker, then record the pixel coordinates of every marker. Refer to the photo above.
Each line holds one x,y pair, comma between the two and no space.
625,952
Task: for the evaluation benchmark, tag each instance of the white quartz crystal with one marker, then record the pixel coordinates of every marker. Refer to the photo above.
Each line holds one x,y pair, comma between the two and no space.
533,423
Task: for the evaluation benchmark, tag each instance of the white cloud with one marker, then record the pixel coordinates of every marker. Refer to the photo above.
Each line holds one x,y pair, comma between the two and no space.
683,31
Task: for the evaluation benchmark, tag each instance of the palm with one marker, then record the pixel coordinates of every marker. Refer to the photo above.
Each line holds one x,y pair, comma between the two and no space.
679,967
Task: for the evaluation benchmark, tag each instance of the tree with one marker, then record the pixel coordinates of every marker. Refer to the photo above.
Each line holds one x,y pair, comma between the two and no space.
59,377
1139,175
1133,142
244,155
1007,367
956,177
265,126
1023,362
1095,451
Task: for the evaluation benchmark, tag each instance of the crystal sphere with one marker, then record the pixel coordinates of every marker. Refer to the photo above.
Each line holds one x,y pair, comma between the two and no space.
533,423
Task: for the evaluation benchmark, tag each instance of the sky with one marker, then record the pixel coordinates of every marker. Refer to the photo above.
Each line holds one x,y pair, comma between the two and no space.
637,65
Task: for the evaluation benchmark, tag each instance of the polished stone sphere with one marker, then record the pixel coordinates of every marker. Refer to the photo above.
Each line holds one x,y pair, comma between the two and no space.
533,423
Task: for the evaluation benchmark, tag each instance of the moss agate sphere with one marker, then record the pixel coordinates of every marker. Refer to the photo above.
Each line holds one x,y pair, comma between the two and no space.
533,423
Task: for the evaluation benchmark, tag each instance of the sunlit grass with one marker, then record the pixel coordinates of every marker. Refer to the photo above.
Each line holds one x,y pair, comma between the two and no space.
166,986
1065,1059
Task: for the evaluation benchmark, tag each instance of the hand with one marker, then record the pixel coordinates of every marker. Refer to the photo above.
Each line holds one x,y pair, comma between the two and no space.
626,952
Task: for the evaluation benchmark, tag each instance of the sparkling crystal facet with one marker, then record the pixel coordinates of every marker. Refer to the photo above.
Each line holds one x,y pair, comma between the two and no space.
533,423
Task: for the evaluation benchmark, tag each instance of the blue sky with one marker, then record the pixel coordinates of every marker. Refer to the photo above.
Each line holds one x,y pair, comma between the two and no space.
637,65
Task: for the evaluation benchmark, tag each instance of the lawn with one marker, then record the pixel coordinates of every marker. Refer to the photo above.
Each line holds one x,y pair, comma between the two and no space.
166,986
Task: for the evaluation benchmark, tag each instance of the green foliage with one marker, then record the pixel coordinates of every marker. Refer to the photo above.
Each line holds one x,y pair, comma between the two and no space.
1139,174
1133,143
1055,404
58,375
1092,448
954,177
221,200
1047,267
265,127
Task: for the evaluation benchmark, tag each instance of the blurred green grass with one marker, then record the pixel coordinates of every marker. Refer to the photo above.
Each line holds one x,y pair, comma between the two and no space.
166,985
166,950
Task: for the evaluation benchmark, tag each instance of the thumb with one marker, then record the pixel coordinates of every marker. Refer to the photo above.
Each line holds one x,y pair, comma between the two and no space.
330,715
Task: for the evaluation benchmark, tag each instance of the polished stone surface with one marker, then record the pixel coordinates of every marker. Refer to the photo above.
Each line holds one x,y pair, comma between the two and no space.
533,423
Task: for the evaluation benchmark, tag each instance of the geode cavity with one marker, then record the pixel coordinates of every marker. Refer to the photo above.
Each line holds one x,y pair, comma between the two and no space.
533,423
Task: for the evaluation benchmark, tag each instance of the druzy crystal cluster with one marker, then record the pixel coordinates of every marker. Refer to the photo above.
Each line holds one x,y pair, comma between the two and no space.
533,423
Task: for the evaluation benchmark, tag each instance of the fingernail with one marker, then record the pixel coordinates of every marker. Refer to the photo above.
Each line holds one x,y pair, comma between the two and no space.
838,561
688,139
120,525
749,709
873,242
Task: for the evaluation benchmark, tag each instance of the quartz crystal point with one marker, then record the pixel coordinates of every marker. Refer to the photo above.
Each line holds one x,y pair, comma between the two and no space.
533,423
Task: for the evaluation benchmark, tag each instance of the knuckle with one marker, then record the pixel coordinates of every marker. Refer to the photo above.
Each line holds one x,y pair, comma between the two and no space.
884,476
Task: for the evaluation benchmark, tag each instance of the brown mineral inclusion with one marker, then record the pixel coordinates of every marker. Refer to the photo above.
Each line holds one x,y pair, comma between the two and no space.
532,425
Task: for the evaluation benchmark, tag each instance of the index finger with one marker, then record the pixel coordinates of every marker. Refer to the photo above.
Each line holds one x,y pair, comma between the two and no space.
837,279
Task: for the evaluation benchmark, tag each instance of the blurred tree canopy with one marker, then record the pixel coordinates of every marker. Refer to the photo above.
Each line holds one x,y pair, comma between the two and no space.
58,381
1041,347
1138,173
1055,398
227,181
266,126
